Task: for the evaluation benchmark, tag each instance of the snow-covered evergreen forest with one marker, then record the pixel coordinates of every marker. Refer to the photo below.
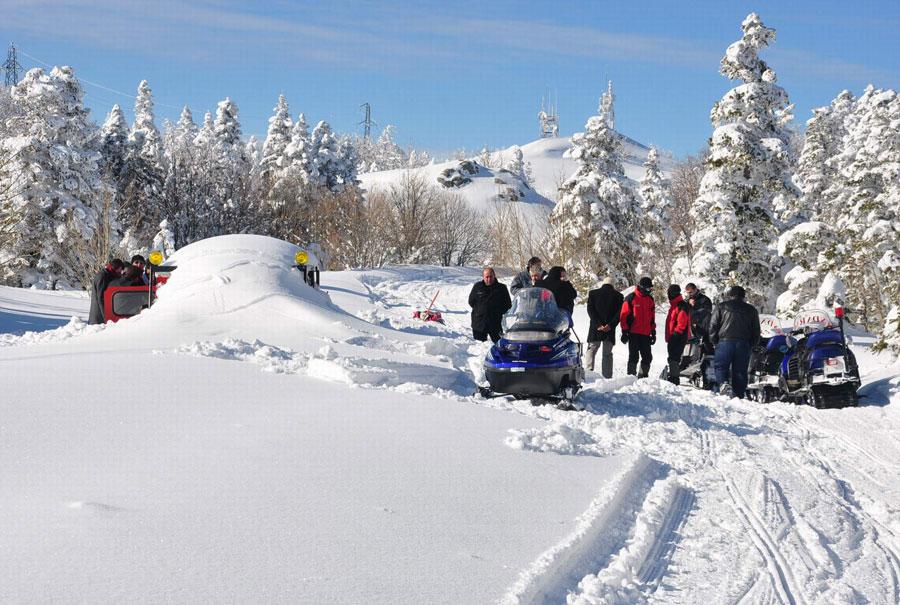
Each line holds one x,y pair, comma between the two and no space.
797,216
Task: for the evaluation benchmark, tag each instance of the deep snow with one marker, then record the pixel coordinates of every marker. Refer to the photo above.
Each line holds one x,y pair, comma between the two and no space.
252,439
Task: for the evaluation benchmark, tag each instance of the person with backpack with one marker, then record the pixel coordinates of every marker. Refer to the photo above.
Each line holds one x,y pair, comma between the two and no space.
489,300
734,331
101,281
603,307
638,321
678,330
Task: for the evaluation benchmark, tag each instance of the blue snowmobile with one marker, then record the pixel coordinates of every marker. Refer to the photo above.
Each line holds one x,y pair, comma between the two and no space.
765,361
534,359
818,368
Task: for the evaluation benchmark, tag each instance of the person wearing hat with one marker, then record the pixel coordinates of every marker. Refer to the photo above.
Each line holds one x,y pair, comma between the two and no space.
638,321
678,330
734,331
603,307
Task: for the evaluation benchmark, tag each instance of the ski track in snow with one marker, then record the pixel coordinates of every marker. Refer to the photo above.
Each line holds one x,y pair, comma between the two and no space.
791,529
724,501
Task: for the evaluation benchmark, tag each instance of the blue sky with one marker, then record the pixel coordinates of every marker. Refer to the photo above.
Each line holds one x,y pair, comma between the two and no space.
454,74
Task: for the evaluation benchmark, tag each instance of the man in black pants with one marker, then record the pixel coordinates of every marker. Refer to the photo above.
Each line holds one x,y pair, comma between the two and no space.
638,322
489,300
734,330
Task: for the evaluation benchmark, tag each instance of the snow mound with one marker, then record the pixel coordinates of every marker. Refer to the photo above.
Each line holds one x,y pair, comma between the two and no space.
230,273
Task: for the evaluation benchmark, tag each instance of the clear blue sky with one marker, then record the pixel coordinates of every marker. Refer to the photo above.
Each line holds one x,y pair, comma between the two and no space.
454,74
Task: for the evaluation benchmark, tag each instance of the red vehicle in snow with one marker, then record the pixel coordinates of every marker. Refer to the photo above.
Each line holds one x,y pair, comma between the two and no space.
120,302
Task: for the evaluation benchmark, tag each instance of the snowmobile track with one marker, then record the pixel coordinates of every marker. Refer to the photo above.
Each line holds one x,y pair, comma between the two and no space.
779,570
658,559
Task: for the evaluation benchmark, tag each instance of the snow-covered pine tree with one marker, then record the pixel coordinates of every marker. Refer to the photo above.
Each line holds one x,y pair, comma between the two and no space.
325,161
484,157
866,208
232,204
749,165
184,209
388,155
657,239
113,149
277,139
49,222
144,176
804,246
348,161
298,154
519,167
593,228
823,141
418,158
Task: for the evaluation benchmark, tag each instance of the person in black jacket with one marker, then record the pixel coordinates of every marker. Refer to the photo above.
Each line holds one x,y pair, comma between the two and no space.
557,281
489,300
603,307
98,286
528,278
734,331
701,309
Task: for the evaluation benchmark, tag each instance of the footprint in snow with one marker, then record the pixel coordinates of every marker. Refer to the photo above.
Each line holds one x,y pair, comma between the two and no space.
96,508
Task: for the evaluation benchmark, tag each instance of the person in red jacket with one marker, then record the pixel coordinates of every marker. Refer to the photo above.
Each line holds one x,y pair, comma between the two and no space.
638,322
678,330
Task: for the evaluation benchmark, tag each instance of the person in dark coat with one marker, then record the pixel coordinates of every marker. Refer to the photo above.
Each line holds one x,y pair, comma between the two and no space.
678,330
638,321
557,281
701,309
528,278
132,275
489,300
734,331
603,307
98,286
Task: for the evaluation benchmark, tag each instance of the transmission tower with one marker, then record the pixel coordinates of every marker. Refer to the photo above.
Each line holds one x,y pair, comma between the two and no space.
12,66
367,122
548,118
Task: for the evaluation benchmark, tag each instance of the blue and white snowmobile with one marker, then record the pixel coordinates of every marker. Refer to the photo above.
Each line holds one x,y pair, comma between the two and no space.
534,359
765,360
818,368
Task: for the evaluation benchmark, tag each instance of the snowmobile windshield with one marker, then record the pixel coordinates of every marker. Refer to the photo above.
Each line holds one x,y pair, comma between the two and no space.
534,316
812,320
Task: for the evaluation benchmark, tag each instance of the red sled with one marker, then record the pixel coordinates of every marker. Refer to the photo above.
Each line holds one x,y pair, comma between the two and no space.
428,314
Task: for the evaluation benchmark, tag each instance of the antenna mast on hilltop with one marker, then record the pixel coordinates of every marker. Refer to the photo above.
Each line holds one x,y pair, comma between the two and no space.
548,118
367,122
12,66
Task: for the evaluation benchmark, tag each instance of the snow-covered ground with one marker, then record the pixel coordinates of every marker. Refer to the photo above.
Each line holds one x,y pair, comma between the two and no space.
549,168
251,439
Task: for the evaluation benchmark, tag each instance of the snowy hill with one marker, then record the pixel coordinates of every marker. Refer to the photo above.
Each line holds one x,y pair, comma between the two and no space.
549,168
249,438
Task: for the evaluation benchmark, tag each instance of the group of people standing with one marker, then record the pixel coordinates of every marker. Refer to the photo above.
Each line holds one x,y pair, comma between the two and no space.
731,328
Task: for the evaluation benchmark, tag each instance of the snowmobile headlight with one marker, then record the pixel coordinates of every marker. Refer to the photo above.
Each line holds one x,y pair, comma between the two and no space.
783,349
528,336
